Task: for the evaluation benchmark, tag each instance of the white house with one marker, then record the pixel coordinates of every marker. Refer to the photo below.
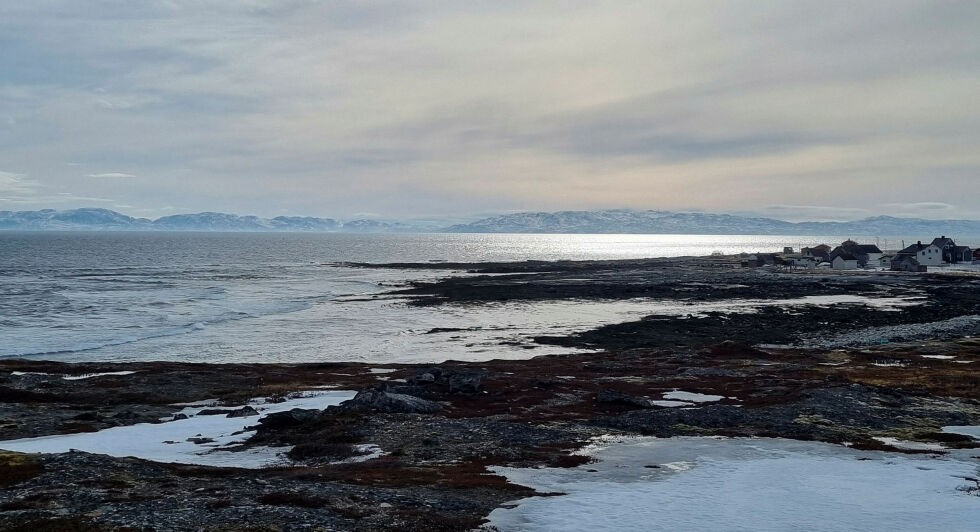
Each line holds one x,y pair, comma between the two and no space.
925,254
845,261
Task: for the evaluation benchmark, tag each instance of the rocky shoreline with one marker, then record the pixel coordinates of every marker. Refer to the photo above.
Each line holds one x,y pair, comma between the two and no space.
762,372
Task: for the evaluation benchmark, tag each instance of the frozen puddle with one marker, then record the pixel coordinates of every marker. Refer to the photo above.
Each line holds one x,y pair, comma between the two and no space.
748,484
171,441
74,377
92,375
692,397
966,430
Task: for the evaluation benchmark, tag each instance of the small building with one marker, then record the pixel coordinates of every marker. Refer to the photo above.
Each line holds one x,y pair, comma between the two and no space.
763,259
925,254
845,261
905,262
817,254
865,254
952,253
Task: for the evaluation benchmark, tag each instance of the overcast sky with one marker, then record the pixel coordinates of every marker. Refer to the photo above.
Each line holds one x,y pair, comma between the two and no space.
796,110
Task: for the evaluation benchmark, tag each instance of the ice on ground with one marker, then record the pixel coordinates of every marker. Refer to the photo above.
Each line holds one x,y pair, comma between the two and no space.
692,397
381,370
746,484
907,445
172,441
939,357
966,430
91,375
73,377
670,404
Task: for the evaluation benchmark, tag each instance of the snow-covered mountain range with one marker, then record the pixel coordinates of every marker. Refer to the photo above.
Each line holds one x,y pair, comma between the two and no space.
667,222
107,220
604,221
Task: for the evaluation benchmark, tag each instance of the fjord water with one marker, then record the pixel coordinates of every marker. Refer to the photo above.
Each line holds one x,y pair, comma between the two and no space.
285,297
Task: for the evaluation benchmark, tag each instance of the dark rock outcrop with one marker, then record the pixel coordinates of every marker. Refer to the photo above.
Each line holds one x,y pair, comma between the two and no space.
382,401
244,411
288,418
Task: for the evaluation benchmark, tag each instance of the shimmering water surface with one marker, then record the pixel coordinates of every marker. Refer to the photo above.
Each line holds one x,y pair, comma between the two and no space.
232,297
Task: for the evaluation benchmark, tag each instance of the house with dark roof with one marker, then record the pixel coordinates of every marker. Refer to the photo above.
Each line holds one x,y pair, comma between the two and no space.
763,259
864,254
904,262
845,261
951,252
924,254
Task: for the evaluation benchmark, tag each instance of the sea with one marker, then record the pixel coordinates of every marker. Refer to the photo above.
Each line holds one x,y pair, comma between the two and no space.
290,298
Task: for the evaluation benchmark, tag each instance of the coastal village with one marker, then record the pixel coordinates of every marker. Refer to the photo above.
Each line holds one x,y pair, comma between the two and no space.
851,255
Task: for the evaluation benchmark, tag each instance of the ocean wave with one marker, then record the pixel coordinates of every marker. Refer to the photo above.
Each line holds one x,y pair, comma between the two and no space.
158,333
99,344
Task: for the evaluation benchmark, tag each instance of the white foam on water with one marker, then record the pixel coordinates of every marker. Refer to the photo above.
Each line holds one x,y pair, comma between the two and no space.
746,484
169,441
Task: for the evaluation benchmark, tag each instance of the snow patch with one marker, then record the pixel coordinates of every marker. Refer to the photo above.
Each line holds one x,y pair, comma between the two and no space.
745,484
692,397
967,430
907,445
91,375
174,441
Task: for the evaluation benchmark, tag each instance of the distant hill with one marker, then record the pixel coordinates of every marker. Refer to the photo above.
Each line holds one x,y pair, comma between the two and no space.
107,220
667,222
604,221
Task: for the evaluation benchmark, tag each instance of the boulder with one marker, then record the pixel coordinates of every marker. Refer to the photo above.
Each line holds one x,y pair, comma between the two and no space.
465,382
612,396
244,411
215,412
288,418
382,401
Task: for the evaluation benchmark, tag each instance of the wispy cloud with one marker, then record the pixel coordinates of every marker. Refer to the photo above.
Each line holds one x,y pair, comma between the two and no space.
111,175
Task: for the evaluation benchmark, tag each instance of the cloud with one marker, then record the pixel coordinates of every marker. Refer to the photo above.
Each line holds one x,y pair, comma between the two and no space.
797,213
441,107
111,175
922,205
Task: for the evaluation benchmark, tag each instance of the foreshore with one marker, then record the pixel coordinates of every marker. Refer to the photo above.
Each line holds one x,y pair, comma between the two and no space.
872,360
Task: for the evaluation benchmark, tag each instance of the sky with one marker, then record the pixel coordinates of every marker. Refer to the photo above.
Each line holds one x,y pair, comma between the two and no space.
818,110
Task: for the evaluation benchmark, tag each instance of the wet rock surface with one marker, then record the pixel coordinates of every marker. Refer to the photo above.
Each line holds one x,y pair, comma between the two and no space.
437,427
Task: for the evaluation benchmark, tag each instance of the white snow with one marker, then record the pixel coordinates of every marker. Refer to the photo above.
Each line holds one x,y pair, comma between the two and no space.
73,377
746,484
381,370
910,445
168,442
670,404
968,430
91,375
692,397
939,357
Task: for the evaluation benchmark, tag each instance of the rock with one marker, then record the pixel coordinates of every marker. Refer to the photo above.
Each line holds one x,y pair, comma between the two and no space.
215,412
425,377
613,396
178,417
390,402
244,411
288,418
465,382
